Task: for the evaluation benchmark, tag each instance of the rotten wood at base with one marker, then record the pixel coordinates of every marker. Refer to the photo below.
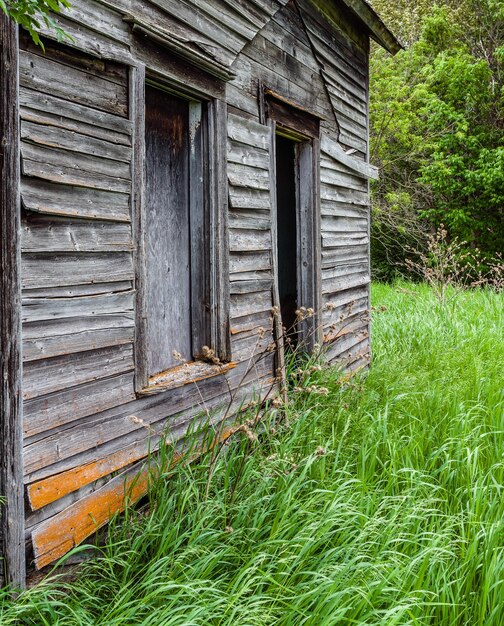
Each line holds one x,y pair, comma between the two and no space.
184,374
56,536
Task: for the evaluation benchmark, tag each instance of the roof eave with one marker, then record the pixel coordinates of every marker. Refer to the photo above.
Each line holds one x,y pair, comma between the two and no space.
377,29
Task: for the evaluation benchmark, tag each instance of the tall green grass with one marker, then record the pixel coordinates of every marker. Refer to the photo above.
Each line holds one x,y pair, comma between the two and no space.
381,503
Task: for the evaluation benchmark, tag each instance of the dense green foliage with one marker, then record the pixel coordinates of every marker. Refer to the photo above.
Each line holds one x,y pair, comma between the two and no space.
381,503
437,127
33,14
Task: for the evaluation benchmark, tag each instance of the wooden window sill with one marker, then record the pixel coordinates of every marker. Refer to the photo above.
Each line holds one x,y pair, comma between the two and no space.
184,374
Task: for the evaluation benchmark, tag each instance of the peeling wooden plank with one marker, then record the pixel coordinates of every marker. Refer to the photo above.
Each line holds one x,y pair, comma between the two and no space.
56,536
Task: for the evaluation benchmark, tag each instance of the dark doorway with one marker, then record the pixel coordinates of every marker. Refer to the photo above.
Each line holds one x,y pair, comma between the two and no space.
286,214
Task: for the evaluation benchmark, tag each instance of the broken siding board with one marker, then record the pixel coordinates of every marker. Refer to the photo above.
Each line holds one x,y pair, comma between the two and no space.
344,195
60,450
346,240
45,108
66,56
56,270
44,414
341,209
345,269
238,219
333,302
343,224
247,132
73,176
250,286
339,179
250,323
53,493
242,103
64,200
333,256
335,315
43,234
350,347
58,137
62,532
245,156
251,347
47,376
45,75
111,174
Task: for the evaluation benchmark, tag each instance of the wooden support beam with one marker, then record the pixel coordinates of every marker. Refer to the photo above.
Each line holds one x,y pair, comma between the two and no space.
11,470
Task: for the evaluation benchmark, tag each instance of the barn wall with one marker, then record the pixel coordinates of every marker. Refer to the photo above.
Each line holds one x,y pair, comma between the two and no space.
83,420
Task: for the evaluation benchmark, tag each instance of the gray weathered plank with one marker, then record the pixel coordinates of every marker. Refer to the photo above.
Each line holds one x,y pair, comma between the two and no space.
44,377
244,240
56,199
246,198
12,546
40,73
249,261
56,270
39,309
57,137
37,106
71,291
44,414
51,339
42,234
249,303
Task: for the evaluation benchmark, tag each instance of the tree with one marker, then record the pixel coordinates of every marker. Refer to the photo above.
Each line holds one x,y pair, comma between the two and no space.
437,121
31,14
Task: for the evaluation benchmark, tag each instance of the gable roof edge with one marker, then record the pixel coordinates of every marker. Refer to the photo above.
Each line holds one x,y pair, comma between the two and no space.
377,28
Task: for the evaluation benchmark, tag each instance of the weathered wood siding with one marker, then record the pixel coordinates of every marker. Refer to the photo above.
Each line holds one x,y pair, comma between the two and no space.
83,420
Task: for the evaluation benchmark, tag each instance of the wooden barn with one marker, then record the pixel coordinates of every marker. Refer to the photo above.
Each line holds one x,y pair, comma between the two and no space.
168,177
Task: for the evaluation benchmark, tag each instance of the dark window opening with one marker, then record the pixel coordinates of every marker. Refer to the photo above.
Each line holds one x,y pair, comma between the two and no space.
286,227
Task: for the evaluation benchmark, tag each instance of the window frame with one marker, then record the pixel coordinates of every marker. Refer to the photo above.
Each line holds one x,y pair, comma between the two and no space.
214,197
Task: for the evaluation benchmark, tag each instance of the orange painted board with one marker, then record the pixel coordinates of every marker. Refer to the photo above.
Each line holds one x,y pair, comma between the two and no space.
54,537
54,487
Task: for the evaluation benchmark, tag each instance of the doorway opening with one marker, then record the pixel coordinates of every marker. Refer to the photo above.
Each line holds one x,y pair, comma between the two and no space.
287,233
